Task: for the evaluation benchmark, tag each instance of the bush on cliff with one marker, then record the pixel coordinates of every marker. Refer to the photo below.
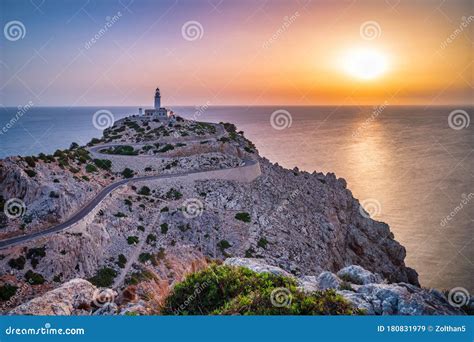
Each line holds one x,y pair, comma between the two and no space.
227,290
127,173
245,217
104,277
7,291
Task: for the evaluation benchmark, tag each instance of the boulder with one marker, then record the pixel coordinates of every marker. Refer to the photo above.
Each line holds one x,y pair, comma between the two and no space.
257,265
64,300
358,275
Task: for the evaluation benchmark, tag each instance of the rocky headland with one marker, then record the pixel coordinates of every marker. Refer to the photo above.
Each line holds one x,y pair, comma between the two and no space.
117,226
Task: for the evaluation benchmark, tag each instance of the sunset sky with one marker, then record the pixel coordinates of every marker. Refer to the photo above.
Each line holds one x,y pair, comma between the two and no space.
323,54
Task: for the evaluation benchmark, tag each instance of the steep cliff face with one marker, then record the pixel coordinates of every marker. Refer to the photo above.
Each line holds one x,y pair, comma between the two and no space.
304,223
48,193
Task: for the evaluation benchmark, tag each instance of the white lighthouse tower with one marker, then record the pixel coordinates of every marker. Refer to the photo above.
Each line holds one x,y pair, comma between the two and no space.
158,112
157,99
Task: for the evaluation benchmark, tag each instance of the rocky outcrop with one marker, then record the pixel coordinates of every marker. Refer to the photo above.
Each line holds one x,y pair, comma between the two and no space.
374,297
357,275
288,222
65,300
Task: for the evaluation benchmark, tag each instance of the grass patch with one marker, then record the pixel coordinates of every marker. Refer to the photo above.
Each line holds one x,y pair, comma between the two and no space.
104,277
226,290
244,217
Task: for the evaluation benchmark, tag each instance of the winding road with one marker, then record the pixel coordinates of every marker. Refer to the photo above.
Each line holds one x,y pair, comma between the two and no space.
85,210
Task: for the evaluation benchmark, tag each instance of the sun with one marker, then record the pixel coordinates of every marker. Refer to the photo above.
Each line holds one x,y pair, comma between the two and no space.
364,63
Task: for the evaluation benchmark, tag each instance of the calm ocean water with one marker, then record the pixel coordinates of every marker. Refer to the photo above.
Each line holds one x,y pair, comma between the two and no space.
408,166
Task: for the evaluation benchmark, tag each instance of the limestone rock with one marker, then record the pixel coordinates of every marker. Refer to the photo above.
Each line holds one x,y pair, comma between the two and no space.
63,300
358,275
257,265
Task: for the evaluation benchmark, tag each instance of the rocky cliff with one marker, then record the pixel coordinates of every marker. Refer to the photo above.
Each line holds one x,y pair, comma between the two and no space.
303,223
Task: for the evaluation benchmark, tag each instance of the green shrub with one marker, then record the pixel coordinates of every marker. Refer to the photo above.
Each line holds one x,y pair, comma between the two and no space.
164,228
34,278
144,257
53,194
132,240
150,239
227,290
90,168
30,173
164,210
173,194
144,190
104,164
166,148
223,244
18,263
35,254
7,291
249,252
120,214
104,277
30,161
245,217
127,173
124,150
85,178
141,228
122,260
262,243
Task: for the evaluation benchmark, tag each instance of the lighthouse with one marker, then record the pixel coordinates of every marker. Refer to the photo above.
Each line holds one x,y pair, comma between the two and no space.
157,99
158,112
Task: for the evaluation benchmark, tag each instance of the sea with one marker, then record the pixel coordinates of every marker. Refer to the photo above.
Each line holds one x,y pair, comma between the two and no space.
410,166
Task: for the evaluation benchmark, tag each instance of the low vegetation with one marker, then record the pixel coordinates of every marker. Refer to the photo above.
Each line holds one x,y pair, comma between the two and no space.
245,217
226,290
104,277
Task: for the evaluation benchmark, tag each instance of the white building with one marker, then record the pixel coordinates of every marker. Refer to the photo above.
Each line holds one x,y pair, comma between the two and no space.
158,112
